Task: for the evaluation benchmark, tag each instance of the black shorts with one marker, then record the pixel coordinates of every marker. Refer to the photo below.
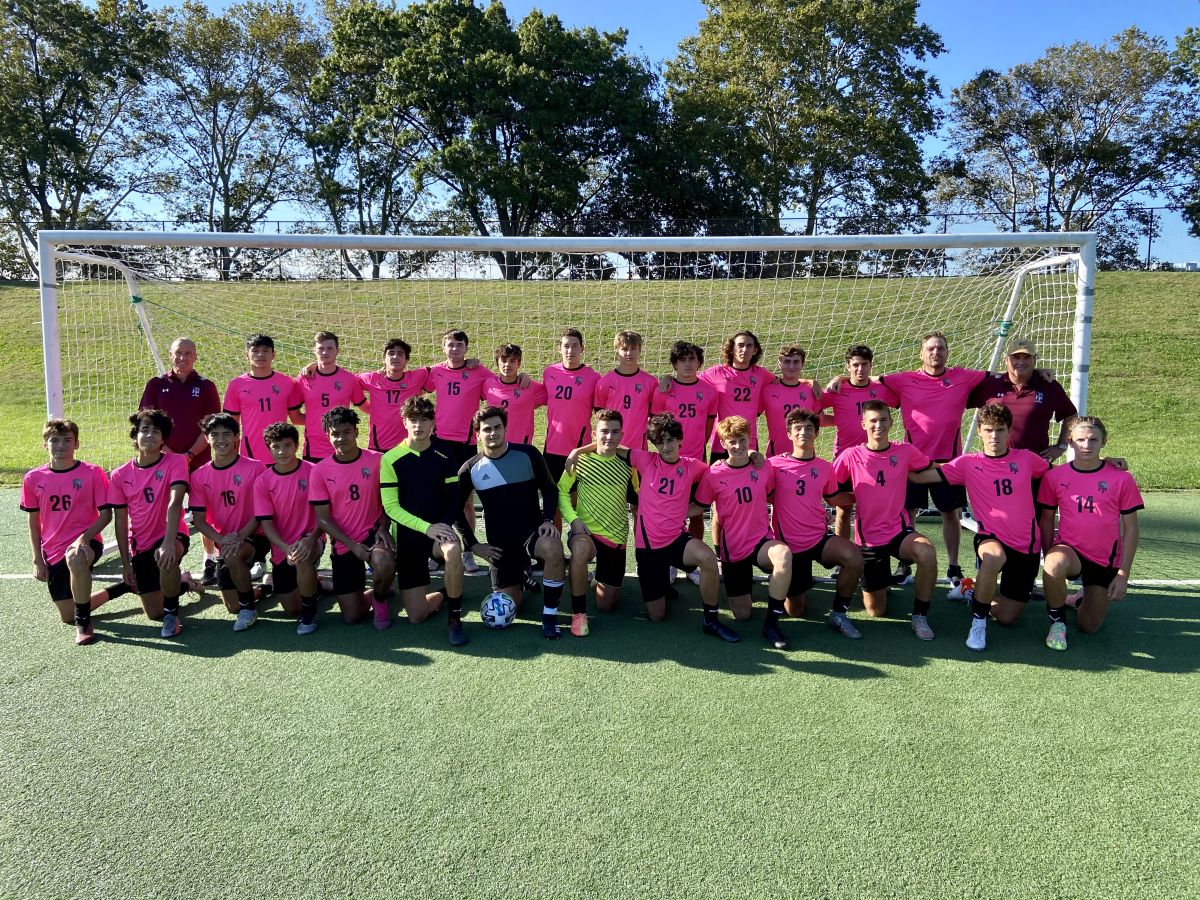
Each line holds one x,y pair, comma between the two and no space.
610,564
1019,572
283,578
1092,574
516,561
350,572
413,552
59,580
738,574
458,451
654,566
261,546
802,577
556,463
877,562
145,566
946,497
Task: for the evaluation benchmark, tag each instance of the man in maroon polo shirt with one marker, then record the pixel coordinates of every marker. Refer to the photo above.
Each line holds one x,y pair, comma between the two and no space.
1033,400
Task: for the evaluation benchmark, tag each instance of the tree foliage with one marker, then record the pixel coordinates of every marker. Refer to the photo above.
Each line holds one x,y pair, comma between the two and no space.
1187,77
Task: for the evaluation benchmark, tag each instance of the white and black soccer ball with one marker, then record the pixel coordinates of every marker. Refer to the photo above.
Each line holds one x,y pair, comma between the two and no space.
498,610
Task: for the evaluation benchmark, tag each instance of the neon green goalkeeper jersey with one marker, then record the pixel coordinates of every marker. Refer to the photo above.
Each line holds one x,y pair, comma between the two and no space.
602,483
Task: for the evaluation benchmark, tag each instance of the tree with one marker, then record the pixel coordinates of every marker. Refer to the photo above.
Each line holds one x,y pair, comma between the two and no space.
1186,75
72,102
816,106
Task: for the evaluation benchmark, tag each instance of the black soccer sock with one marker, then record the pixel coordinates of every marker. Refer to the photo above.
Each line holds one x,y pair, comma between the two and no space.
774,610
579,603
979,609
710,615
921,607
246,599
840,604
83,615
1057,615
120,589
308,609
171,604
552,594
454,608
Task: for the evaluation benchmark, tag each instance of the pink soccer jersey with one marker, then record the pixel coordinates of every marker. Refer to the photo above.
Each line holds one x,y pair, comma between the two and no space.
145,491
67,503
261,402
630,395
320,394
283,498
801,488
457,394
692,405
387,397
663,497
879,479
932,407
740,495
569,403
847,403
779,399
1000,489
351,489
1090,506
520,403
739,393
225,495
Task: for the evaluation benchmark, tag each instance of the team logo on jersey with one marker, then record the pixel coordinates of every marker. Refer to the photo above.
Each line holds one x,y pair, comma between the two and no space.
754,476
872,393
579,379
237,480
303,485
1102,487
275,389
159,475
1038,397
637,388
753,380
366,473
196,391
679,471
945,382
337,385
893,462
814,473
464,376
517,394
77,483
1014,468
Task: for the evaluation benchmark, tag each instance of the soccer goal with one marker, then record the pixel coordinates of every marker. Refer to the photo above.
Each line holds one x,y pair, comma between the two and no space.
112,302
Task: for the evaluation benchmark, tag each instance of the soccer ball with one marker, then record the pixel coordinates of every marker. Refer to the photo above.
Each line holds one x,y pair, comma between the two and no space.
498,610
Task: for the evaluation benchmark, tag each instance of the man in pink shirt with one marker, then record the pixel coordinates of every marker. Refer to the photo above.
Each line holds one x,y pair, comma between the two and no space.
877,473
628,388
788,392
520,396
387,390
739,381
323,386
262,397
570,393
693,403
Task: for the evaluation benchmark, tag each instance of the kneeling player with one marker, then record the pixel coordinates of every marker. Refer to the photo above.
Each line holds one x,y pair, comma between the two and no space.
418,482
1097,535
281,505
803,484
221,498
740,492
146,494
598,523
345,492
67,502
877,473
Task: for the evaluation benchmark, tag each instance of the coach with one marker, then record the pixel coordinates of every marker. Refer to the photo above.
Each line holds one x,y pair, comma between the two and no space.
187,397
1033,400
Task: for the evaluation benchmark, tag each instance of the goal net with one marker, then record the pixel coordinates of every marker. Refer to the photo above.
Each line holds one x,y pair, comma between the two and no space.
112,303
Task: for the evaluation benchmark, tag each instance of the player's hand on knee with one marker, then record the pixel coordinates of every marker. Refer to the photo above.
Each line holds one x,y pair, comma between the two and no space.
487,551
1118,587
167,555
361,551
547,529
441,533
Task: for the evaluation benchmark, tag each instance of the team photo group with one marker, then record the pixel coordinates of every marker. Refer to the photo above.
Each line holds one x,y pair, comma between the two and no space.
384,470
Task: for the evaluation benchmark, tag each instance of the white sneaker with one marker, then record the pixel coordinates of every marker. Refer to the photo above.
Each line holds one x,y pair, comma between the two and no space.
672,574
977,638
257,571
470,566
957,591
694,577
245,618
920,627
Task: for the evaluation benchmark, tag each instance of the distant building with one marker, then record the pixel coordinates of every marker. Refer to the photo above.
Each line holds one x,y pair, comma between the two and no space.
1192,267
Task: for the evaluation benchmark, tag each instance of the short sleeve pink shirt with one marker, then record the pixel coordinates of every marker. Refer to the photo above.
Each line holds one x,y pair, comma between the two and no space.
740,495
457,395
779,399
145,491
261,402
321,393
283,498
692,405
630,395
1090,506
67,502
387,397
739,393
520,403
569,403
351,489
1000,489
879,479
846,404
932,407
798,507
225,495
664,494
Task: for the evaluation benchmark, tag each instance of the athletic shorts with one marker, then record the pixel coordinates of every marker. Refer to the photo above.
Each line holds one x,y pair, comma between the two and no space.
145,566
350,572
556,463
413,552
739,573
1019,572
516,561
802,577
610,563
459,451
1092,574
59,581
283,573
877,562
261,546
654,566
946,497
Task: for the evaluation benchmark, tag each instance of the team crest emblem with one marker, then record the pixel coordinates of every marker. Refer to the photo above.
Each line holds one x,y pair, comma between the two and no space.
1102,487
699,395
237,480
464,376
754,476
275,389
158,475
77,483
753,380
872,393
1012,467
337,385
1038,397
679,471
366,473
637,388
196,391
814,473
893,462
579,379
303,484
517,394
945,382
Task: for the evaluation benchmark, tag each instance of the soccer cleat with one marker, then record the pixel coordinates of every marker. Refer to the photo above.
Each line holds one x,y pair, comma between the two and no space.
840,622
920,627
383,616
257,571
188,584
457,634
171,625
902,574
672,574
551,631
210,573
85,637
306,627
694,577
963,589
977,636
532,585
245,618
579,624
1074,599
773,636
954,574
470,566
722,631
1056,637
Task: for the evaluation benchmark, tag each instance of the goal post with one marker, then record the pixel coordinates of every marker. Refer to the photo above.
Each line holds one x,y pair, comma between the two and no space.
111,299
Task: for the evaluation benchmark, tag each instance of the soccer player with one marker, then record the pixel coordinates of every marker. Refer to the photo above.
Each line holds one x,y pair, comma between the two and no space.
1097,534
67,503
519,396
1001,484
628,388
345,493
388,389
740,492
262,397
281,505
221,498
508,479
693,403
789,391
323,386
570,389
146,495
418,482
739,381
1034,399
598,522
803,484
877,474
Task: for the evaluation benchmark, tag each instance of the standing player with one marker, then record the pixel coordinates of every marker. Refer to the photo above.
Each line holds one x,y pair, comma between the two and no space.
570,389
67,503
262,397
789,391
323,386
739,381
803,484
345,493
418,482
508,479
693,403
1097,534
281,505
1034,399
388,389
877,472
221,498
520,396
740,492
146,494
598,523
628,388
